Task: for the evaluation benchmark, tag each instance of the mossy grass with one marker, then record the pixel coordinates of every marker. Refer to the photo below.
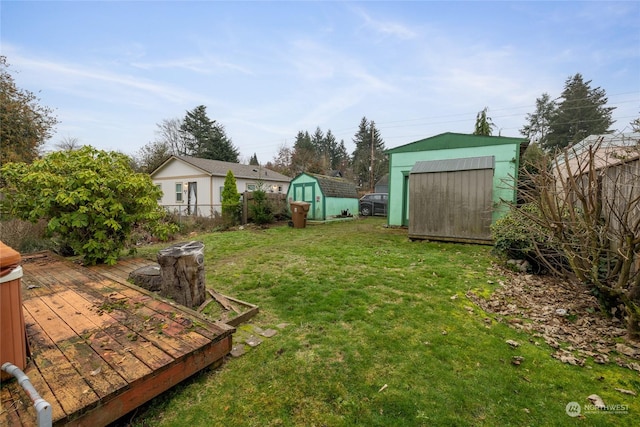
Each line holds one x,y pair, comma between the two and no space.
380,334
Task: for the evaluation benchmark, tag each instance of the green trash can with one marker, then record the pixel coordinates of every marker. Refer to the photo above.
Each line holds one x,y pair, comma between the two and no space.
299,211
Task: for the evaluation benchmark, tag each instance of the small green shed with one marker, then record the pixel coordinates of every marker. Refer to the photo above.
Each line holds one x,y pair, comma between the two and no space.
442,165
330,197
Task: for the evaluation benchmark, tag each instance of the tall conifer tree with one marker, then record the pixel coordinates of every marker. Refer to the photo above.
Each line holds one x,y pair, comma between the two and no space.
368,142
205,138
581,112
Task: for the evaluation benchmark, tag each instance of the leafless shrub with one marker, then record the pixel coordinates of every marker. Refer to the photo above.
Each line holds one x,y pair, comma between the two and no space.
25,236
589,204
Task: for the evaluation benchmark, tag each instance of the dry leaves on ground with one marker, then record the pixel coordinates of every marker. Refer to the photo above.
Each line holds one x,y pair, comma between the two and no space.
565,315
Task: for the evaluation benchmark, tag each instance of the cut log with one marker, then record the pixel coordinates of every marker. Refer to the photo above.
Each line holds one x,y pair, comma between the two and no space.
147,277
182,273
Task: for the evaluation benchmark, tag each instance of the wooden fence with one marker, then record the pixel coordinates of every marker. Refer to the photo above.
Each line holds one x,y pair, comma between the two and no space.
278,202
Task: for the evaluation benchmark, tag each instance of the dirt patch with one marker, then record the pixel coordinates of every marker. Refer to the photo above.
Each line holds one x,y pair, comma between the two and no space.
565,315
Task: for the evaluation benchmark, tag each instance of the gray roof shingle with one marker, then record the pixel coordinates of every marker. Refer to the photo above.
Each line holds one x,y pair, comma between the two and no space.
220,168
336,187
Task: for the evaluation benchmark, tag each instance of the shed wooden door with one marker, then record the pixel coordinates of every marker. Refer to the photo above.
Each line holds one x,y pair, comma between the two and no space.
451,205
305,192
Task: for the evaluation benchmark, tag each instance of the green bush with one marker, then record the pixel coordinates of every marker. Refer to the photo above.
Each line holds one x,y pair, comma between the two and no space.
230,201
92,200
260,208
518,235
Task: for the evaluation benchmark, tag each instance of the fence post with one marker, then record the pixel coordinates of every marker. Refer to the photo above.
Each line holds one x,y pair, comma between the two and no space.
245,208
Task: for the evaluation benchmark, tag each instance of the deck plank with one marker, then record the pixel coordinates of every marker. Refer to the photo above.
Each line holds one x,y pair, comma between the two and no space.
37,341
89,325
69,387
156,326
100,376
172,339
13,407
100,347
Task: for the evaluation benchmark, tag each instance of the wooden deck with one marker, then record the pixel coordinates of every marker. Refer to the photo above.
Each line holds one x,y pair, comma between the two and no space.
101,347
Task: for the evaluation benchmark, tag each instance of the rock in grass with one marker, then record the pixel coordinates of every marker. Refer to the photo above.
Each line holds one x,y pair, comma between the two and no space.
253,341
238,350
517,360
268,333
629,392
597,401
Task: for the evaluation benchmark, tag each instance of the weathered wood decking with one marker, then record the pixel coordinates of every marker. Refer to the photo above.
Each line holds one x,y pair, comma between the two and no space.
101,347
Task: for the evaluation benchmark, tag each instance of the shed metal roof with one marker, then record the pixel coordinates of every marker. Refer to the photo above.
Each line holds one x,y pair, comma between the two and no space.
452,165
450,140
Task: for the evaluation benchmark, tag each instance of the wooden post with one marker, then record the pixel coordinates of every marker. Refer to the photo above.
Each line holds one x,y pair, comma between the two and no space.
245,207
182,272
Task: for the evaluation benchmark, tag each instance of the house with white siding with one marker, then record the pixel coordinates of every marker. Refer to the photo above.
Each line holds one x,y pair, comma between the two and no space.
193,186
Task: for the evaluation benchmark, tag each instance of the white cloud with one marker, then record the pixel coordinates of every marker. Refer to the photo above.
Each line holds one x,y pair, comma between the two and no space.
386,27
96,83
198,64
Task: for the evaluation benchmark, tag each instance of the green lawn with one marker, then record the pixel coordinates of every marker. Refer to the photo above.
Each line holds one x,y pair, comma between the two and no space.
376,339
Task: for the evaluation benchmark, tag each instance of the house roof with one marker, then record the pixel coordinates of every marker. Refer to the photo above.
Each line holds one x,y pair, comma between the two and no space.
336,187
220,168
454,165
456,140
384,180
608,150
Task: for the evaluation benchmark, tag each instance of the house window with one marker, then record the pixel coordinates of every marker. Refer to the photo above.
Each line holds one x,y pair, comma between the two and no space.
252,187
178,192
221,190
159,187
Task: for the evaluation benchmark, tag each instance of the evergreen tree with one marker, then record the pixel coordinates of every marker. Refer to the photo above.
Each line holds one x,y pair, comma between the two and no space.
321,150
581,112
260,208
361,154
318,142
304,157
342,159
368,141
254,160
331,151
205,138
230,200
484,124
537,128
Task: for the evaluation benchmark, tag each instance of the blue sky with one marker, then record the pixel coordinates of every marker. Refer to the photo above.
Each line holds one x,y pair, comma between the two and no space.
266,70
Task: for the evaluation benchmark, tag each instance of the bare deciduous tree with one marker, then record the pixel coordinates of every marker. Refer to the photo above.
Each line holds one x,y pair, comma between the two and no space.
68,143
169,132
588,203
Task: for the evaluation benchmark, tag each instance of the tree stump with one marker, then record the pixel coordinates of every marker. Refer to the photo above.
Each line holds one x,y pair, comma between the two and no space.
182,273
147,277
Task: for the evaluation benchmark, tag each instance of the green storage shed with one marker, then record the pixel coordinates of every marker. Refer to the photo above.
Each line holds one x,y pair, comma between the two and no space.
447,154
330,197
